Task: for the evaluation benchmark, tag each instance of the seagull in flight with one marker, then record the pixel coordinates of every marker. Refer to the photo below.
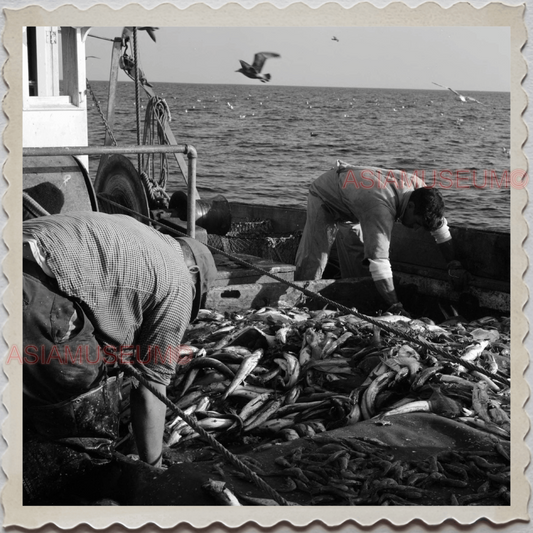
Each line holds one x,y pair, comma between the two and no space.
335,39
461,97
254,71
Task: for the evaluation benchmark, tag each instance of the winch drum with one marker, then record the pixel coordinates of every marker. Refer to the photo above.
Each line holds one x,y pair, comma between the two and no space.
118,180
59,184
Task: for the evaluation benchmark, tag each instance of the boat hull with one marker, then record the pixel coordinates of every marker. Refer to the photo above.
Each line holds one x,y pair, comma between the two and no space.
419,268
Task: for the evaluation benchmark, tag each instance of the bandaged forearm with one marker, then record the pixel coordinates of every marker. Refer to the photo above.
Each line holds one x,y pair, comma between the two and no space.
380,269
443,233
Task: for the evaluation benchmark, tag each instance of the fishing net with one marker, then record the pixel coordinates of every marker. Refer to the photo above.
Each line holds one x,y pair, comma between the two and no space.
257,238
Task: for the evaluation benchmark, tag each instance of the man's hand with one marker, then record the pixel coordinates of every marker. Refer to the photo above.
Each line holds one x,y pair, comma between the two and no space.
397,309
459,276
385,288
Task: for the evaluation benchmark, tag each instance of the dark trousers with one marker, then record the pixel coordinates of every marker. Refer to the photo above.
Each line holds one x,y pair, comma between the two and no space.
58,365
70,406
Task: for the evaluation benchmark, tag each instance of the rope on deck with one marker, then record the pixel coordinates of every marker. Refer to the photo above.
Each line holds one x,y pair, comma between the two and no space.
230,457
343,308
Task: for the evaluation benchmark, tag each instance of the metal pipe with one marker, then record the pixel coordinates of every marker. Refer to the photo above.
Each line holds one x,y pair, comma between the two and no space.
111,97
191,191
101,150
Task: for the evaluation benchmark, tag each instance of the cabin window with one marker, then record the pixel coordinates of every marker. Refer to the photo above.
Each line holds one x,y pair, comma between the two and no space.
32,62
53,70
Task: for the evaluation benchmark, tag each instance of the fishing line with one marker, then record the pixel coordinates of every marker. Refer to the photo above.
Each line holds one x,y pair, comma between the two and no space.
341,307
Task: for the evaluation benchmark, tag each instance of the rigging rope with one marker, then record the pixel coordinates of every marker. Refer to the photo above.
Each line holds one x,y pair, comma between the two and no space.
98,37
374,321
137,97
97,104
156,118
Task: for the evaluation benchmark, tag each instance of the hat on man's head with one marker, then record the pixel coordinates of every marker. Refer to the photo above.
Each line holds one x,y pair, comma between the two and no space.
197,254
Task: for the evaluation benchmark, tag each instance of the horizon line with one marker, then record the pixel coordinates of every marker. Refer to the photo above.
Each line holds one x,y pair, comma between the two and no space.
310,86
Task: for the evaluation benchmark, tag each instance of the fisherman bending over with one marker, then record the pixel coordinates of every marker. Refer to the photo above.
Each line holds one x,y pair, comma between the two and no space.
360,205
99,289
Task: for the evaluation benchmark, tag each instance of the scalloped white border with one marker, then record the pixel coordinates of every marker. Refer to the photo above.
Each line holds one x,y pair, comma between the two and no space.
299,14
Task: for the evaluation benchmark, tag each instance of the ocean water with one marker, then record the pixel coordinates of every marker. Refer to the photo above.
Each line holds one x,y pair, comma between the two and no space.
265,144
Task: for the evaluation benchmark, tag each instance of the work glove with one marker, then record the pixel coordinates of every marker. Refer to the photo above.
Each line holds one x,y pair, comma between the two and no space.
459,276
397,309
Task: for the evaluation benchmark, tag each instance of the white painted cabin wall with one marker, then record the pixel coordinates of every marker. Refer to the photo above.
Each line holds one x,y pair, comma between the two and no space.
51,119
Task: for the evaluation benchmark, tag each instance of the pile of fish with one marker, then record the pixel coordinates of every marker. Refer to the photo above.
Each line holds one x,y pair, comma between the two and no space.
274,374
355,471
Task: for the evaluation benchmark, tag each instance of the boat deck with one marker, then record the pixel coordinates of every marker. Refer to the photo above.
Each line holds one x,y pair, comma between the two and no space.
231,272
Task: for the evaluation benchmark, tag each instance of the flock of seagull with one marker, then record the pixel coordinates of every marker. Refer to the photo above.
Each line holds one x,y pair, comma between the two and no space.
253,71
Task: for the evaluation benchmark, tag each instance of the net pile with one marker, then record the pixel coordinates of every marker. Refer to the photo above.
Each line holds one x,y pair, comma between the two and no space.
257,238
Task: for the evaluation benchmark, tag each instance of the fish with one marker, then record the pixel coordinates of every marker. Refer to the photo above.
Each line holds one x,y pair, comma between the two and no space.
189,399
419,380
293,394
267,412
189,411
281,334
212,423
487,426
305,356
498,415
189,379
291,368
210,314
221,494
247,366
208,362
480,401
289,434
419,406
260,501
300,388
473,351
271,315
275,425
370,394
336,344
254,405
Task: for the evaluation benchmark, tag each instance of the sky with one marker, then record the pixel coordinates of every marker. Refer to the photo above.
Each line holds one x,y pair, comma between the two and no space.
464,58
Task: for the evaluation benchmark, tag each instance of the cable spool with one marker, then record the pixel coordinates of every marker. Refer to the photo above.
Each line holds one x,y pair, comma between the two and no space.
118,180
213,216
58,184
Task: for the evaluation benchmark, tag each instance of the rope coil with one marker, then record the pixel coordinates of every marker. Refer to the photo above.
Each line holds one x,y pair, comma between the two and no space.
157,116
157,194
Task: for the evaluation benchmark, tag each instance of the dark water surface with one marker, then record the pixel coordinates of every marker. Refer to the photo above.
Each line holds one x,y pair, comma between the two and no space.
264,144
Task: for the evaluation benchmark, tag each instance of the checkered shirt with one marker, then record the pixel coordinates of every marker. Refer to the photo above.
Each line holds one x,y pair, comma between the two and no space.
131,280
